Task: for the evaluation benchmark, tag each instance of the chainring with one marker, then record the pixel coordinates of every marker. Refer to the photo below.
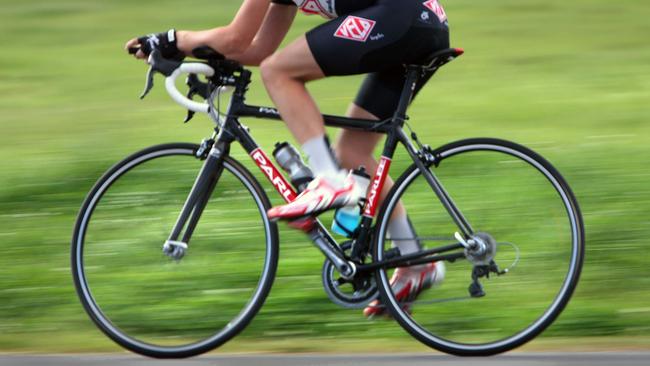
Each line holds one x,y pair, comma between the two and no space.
356,293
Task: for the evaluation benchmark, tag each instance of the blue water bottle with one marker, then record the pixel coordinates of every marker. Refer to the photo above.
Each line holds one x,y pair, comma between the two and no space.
347,219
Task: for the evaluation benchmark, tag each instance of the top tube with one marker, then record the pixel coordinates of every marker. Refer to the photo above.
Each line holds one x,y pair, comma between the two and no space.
330,120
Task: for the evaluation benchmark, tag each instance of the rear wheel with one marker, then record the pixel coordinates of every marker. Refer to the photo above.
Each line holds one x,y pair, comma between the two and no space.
514,198
140,298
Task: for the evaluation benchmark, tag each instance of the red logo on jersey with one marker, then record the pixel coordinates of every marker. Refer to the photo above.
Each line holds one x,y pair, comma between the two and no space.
311,7
437,9
355,28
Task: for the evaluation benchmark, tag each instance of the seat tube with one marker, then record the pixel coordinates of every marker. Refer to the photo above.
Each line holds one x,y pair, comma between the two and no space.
381,173
392,139
412,77
374,193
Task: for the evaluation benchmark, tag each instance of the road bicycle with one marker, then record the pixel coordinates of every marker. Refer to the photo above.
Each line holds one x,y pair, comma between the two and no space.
498,214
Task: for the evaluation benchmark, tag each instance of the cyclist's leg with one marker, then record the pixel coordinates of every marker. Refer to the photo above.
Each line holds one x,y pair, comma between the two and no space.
285,74
354,148
377,99
364,41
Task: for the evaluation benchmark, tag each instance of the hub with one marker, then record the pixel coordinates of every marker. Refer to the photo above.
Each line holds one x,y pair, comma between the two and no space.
175,249
481,249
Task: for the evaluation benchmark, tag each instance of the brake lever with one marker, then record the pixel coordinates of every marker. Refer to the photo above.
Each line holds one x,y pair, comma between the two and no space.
161,65
190,81
190,114
196,87
148,82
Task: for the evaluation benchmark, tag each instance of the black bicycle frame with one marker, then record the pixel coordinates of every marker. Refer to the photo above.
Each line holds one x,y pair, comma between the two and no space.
232,130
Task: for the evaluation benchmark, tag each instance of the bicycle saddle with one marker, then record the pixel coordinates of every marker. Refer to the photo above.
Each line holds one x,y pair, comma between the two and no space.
441,57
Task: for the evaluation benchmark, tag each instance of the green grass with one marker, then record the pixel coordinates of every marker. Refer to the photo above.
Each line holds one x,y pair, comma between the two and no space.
568,79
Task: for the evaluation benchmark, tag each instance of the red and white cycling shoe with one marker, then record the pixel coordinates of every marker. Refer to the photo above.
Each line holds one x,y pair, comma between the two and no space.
407,283
322,194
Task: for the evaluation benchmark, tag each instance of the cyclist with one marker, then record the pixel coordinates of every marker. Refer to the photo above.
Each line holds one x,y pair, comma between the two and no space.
374,37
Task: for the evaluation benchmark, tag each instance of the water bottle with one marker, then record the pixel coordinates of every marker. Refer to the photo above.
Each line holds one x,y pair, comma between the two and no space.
348,218
290,160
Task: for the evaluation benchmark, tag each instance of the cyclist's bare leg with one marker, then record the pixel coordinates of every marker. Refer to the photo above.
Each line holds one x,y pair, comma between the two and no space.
355,148
285,74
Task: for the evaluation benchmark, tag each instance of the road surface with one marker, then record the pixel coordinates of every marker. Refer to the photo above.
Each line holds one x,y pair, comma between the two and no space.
535,359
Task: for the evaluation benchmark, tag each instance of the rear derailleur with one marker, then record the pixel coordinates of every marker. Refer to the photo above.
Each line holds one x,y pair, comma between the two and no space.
480,271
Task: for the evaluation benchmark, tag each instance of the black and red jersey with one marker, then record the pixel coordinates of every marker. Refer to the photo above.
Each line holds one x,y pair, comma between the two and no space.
328,8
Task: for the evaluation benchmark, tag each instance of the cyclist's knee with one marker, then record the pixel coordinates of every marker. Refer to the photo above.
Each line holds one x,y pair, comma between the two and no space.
290,65
270,70
279,67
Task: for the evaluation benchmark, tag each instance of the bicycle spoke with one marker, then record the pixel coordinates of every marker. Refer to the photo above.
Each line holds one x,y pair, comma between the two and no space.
521,263
148,303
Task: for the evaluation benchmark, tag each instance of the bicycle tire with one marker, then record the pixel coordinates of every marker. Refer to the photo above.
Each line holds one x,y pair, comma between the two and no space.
236,325
569,283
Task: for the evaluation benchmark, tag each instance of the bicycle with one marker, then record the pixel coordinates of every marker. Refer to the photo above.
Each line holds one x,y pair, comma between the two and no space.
525,210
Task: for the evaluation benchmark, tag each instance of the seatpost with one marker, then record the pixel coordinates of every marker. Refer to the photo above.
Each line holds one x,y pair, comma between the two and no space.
412,77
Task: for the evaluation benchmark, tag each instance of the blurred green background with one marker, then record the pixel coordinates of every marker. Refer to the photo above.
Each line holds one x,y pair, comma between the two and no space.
567,78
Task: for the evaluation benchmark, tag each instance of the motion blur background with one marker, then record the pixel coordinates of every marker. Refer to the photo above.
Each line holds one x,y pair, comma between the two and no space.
570,79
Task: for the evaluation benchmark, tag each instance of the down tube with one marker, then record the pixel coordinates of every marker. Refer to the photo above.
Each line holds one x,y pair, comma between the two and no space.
271,172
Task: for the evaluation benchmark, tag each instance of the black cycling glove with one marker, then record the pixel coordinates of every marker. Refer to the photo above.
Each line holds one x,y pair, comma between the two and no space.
164,42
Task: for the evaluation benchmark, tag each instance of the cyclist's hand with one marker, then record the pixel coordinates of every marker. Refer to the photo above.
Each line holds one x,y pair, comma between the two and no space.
133,48
165,42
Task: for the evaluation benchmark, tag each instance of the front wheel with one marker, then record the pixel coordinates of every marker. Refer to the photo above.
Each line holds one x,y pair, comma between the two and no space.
512,197
147,302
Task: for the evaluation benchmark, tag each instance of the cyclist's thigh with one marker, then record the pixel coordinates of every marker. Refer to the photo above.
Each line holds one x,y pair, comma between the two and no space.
389,33
295,60
379,40
380,92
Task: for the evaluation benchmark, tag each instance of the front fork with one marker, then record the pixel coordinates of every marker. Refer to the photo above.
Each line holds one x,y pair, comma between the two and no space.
214,153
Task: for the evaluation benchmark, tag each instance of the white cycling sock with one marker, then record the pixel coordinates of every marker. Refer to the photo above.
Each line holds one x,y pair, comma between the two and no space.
399,227
321,159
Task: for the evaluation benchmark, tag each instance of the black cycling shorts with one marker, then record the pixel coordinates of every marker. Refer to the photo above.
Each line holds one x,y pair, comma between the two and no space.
378,41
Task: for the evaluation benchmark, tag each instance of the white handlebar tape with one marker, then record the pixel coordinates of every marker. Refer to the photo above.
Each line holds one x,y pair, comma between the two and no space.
188,68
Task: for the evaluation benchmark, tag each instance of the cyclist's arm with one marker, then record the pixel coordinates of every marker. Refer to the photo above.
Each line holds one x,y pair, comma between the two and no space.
233,39
276,24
